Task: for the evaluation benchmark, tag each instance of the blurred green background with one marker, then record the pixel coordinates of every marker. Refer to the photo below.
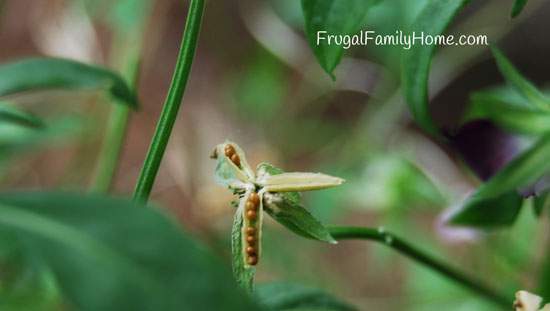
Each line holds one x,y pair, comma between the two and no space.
255,81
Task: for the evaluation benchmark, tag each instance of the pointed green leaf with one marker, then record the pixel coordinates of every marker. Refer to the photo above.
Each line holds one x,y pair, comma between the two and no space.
288,296
243,273
110,254
432,20
295,218
507,113
535,97
479,211
10,114
36,74
332,17
497,202
518,7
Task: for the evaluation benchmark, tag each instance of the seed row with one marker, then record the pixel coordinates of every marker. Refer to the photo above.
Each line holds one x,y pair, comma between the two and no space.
251,233
230,152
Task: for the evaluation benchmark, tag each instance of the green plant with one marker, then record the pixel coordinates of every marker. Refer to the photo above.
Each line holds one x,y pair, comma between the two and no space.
64,250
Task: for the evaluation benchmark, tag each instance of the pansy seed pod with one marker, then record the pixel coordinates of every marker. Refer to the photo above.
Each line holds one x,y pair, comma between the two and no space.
290,182
251,229
232,169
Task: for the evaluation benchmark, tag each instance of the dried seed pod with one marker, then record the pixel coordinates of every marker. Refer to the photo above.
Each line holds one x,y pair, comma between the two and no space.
252,260
254,198
251,215
236,160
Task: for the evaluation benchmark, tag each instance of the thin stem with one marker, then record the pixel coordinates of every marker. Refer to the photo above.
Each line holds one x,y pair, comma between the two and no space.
403,247
172,104
115,133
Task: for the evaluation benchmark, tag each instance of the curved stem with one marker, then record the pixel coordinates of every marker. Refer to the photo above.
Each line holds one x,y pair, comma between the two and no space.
172,104
403,247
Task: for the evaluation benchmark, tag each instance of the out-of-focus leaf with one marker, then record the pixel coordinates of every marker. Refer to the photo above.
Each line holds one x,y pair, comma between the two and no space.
518,7
432,20
243,273
497,202
288,296
479,211
10,114
14,138
53,73
507,114
541,202
333,17
109,254
535,97
285,208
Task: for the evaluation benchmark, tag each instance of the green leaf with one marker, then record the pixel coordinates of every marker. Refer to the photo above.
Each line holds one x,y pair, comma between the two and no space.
295,218
496,106
243,273
497,202
285,208
335,18
111,254
535,97
541,202
53,73
432,20
518,7
479,211
10,114
288,296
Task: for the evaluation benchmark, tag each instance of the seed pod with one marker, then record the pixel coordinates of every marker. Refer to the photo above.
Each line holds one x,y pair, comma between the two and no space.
251,229
289,182
232,170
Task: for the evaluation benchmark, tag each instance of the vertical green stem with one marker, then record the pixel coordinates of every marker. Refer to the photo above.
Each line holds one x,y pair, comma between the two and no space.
115,133
403,247
172,104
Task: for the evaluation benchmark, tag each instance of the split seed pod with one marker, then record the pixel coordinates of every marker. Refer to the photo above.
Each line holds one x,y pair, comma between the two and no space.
232,169
290,182
251,229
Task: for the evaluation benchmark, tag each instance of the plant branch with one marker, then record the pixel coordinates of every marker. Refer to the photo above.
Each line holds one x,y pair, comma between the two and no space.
403,247
172,104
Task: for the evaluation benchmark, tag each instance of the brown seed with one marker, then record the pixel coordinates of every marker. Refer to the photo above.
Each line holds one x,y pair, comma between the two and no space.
250,239
250,251
236,160
250,206
250,230
251,215
254,198
252,260
229,150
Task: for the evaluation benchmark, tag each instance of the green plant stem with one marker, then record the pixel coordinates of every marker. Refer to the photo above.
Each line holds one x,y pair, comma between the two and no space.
403,247
172,104
115,133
